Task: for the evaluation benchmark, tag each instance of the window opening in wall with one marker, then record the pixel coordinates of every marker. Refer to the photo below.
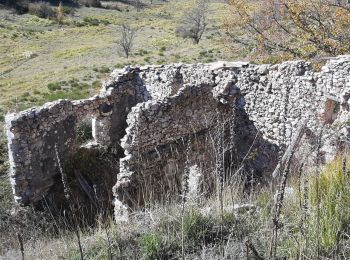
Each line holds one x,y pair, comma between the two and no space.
84,131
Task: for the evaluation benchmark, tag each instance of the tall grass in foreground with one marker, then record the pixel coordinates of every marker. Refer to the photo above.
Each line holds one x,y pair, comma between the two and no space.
317,218
67,194
333,196
202,231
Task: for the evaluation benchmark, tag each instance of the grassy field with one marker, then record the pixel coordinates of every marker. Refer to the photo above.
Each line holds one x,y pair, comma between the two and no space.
35,52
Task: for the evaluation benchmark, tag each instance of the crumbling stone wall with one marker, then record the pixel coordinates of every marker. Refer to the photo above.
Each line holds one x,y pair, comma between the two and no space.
38,135
145,112
188,130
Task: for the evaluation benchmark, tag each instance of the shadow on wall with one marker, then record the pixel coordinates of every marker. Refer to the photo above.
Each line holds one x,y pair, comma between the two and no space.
195,135
90,174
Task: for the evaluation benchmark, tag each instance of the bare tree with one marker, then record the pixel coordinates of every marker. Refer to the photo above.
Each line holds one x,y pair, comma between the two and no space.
60,13
194,22
126,41
290,28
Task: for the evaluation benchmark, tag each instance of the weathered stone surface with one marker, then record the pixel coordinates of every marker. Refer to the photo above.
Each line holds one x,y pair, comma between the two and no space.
164,116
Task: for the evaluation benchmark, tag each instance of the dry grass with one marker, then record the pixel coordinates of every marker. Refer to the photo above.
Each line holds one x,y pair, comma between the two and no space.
210,233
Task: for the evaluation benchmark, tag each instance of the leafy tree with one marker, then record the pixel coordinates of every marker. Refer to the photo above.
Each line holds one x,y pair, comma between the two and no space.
291,28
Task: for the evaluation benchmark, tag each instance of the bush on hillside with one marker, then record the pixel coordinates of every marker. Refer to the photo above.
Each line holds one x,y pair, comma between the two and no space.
90,3
68,10
21,6
42,10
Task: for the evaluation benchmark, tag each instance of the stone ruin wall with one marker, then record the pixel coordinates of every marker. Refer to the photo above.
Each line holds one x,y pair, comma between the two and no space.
36,134
145,110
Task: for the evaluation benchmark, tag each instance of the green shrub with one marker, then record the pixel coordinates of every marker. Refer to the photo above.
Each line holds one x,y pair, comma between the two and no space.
54,86
325,221
96,84
161,61
118,65
6,198
104,69
74,84
33,99
90,3
72,80
80,86
151,246
202,53
154,246
68,10
330,203
87,77
198,229
90,21
208,60
143,52
3,154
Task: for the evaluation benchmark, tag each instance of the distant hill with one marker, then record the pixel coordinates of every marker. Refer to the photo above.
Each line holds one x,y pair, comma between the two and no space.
22,6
